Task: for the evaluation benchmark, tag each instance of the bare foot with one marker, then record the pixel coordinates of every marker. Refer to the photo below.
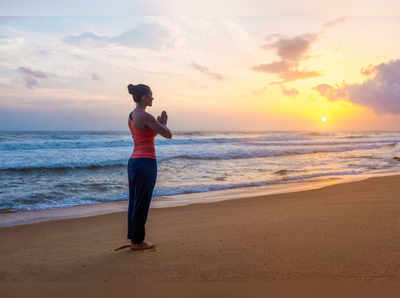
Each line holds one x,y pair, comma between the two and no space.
141,246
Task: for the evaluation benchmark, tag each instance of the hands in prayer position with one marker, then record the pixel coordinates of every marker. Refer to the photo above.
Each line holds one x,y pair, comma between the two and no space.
163,118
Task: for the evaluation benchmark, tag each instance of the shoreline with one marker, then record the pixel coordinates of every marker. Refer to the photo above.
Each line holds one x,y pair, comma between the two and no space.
10,219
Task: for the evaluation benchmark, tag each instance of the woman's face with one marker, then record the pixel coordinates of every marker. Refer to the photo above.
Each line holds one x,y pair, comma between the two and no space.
147,99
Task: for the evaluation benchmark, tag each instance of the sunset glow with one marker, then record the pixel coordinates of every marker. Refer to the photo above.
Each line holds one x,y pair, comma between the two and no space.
242,73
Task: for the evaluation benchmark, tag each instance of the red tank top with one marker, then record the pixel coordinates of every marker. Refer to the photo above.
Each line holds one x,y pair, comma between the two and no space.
143,141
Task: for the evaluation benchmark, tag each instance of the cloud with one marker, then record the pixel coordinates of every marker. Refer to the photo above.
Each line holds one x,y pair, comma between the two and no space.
30,72
289,92
291,51
145,35
206,71
380,92
259,91
86,39
369,70
95,77
294,75
30,76
331,92
274,67
335,22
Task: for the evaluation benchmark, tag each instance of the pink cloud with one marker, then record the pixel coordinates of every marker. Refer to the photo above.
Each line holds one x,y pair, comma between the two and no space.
289,92
291,52
206,71
30,76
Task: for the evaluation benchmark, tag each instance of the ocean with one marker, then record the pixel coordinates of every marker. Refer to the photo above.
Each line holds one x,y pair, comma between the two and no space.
52,169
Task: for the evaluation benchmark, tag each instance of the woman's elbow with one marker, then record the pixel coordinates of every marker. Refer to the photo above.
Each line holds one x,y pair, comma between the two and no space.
166,134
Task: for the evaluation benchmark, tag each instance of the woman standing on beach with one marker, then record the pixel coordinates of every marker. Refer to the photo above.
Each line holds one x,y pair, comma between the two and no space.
142,164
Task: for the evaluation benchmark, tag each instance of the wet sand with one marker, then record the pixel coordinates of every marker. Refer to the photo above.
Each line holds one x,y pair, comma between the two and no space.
338,241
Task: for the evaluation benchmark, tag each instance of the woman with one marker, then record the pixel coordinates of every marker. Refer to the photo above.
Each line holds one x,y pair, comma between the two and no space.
142,164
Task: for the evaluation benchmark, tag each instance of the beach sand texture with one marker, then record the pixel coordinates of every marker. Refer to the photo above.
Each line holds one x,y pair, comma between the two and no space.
338,241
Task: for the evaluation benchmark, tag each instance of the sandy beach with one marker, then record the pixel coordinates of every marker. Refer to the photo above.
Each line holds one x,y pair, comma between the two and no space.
339,240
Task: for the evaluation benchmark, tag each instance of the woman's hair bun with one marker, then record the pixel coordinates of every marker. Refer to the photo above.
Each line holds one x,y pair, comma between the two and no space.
131,88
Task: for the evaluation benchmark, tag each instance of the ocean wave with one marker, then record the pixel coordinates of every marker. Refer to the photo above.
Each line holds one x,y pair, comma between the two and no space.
359,157
241,153
11,146
272,153
57,167
46,201
319,134
281,172
89,144
128,142
325,143
356,137
97,140
285,179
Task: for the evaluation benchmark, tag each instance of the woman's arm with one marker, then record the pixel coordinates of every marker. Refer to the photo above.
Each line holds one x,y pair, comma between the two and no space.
157,126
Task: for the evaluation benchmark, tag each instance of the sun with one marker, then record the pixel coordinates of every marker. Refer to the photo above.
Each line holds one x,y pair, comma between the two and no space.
323,119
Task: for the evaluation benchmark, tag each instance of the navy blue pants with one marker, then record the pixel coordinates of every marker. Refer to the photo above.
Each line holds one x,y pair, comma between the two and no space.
142,175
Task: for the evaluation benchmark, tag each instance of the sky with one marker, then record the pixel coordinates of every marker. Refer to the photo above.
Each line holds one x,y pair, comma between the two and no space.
293,72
